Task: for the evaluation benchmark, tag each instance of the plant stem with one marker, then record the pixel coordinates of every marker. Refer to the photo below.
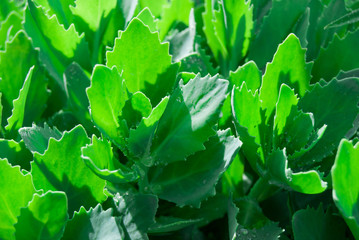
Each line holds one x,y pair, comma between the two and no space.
262,190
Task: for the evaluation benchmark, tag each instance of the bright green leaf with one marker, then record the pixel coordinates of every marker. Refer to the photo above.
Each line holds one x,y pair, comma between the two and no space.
191,113
98,156
61,168
174,12
155,6
346,184
8,29
142,62
19,56
59,8
289,67
140,139
30,104
107,95
45,217
16,191
59,47
279,173
228,30
247,117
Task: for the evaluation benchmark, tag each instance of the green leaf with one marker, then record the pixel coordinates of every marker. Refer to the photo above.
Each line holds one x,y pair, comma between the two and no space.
44,218
278,24
8,29
76,82
232,180
271,231
107,95
352,4
191,181
136,214
247,221
100,23
174,12
98,156
140,139
286,100
293,129
247,117
93,224
228,30
10,6
148,19
92,15
334,105
280,174
155,6
61,168
59,8
320,15
16,191
30,104
211,209
248,73
311,224
346,184
289,67
338,56
191,113
183,44
350,18
59,47
19,56
16,153
198,62
37,138
170,224
142,62
138,106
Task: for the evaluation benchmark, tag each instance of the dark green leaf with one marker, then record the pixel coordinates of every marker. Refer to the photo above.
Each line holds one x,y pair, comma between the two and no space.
338,56
37,138
137,214
311,224
335,105
191,181
16,153
93,224
278,24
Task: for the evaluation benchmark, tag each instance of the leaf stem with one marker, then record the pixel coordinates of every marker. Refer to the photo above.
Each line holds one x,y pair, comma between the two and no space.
262,190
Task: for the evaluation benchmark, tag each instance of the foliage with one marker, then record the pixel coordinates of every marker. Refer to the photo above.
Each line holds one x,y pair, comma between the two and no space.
206,119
